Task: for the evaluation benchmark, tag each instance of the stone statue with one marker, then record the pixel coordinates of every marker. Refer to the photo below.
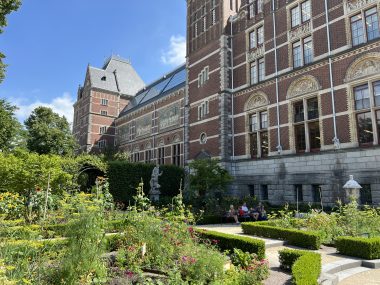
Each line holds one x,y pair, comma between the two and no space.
154,186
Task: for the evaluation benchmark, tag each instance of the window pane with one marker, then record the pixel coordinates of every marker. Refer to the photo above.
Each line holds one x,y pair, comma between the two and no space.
251,11
372,24
297,59
260,36
316,192
260,4
366,194
295,16
306,11
254,125
264,120
312,109
300,138
298,112
252,39
254,149
314,136
264,192
264,144
376,92
261,70
253,73
357,30
365,131
362,97
298,195
308,50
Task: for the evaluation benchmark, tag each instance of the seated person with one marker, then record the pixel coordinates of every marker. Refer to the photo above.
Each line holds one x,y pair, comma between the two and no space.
232,213
262,212
254,213
243,211
245,208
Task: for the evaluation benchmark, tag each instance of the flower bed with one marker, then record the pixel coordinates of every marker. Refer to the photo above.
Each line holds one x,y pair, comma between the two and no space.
305,265
306,239
368,248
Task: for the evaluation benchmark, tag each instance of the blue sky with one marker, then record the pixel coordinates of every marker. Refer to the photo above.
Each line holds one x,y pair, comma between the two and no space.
48,44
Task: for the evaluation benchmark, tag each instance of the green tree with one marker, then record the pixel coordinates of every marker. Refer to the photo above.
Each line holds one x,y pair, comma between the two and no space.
6,7
10,128
207,176
48,133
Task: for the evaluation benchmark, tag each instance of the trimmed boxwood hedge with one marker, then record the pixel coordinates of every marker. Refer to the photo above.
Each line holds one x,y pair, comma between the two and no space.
306,266
124,177
306,239
229,242
367,248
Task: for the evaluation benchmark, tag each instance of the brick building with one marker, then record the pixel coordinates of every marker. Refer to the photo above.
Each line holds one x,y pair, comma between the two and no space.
285,93
106,91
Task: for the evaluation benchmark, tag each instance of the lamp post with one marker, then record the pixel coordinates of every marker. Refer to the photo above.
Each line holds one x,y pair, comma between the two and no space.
352,189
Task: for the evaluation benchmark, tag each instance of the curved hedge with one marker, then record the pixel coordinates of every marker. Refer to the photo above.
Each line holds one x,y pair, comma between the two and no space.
306,239
306,266
124,177
229,242
367,248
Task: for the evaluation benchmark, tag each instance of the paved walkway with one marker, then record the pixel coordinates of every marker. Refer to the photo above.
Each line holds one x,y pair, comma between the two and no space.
329,256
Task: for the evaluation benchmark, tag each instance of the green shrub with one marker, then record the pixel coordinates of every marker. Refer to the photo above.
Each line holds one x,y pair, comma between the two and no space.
229,242
209,220
21,232
305,265
367,248
307,269
306,239
125,176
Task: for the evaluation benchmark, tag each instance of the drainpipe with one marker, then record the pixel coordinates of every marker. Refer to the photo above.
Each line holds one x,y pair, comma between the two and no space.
279,147
335,139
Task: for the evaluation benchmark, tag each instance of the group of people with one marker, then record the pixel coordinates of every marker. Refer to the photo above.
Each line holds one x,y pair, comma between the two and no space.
257,213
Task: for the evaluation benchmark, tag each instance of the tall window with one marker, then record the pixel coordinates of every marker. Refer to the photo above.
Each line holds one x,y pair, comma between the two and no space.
136,157
257,71
203,110
264,192
367,105
256,37
255,7
213,17
316,193
259,134
302,52
104,102
365,26
176,154
148,156
161,155
102,144
366,194
306,125
300,13
102,130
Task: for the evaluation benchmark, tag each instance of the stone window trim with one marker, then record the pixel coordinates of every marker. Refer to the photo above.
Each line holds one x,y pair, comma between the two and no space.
258,132
306,121
259,75
307,38
203,138
102,144
203,110
363,20
254,29
255,7
293,5
203,76
102,130
373,109
257,103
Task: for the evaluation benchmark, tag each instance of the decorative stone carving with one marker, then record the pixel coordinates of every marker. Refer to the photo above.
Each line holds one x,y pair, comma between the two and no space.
304,85
257,53
169,116
256,100
176,139
365,66
299,32
144,125
354,5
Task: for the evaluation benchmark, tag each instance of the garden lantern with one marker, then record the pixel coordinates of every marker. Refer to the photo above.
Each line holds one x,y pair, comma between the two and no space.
352,189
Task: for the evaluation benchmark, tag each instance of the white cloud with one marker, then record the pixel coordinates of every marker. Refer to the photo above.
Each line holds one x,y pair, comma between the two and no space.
176,53
63,105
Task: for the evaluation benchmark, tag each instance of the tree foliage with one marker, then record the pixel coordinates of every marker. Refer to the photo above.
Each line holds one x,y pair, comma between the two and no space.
207,176
6,7
10,128
48,133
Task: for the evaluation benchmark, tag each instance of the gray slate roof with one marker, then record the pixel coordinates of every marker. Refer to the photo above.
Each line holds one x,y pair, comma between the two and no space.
161,87
128,81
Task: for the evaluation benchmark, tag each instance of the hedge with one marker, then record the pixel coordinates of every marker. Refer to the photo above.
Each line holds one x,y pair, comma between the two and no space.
305,265
229,242
124,177
306,239
367,248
